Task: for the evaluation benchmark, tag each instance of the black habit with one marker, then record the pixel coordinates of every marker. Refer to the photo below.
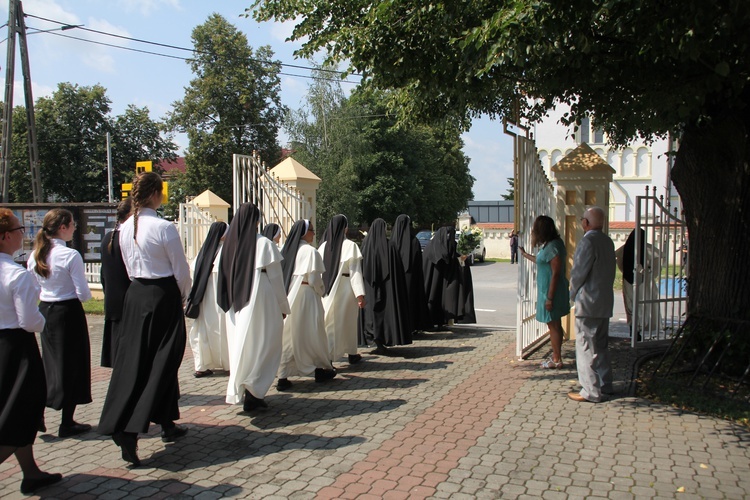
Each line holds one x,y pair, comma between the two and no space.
441,276
410,253
385,317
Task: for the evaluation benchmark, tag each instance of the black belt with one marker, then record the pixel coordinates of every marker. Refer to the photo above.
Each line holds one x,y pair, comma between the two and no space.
263,270
345,274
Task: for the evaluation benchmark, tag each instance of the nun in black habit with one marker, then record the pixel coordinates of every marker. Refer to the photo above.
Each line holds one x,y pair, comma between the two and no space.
409,252
441,277
385,318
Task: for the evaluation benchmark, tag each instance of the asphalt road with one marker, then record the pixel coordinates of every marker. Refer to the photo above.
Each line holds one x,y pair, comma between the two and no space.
495,297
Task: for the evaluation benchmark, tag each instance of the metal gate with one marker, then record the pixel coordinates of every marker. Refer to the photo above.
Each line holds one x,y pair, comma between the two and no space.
193,227
278,202
660,284
534,196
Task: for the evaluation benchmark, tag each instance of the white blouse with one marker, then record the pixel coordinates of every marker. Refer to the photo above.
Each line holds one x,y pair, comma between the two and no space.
158,251
19,293
67,278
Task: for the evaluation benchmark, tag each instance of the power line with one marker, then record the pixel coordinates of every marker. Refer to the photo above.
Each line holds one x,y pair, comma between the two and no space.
176,47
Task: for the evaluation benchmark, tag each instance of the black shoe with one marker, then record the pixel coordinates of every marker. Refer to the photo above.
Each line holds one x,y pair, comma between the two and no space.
354,359
128,442
283,384
322,375
73,430
204,373
31,485
252,403
173,433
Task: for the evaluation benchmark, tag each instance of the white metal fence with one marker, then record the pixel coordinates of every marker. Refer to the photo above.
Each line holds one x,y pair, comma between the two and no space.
660,284
278,202
534,196
193,227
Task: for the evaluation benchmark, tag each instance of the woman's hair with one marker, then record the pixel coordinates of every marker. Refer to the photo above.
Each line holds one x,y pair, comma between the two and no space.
43,241
122,212
145,185
6,215
543,231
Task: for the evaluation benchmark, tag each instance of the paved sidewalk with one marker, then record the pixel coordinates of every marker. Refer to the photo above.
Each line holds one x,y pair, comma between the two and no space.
454,415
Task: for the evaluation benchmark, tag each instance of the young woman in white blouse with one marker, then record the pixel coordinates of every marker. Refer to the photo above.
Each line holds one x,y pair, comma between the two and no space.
65,339
144,386
22,385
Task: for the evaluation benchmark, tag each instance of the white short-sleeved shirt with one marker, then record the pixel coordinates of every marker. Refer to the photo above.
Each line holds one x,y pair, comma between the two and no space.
67,277
158,251
19,293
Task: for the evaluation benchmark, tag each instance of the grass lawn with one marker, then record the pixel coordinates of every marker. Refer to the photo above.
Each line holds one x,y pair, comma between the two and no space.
94,306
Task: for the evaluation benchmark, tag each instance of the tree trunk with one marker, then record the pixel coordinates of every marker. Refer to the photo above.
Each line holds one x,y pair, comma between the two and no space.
712,175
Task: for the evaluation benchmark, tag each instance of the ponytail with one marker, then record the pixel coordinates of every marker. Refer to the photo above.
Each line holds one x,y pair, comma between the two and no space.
43,241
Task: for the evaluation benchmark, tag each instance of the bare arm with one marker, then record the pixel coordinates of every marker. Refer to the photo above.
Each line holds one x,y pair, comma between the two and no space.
527,255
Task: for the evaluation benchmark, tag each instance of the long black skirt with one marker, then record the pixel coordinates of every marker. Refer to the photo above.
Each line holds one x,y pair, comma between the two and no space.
144,386
23,390
66,353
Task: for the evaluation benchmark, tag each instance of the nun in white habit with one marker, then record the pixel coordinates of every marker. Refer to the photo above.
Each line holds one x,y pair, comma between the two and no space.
208,333
305,350
251,292
345,290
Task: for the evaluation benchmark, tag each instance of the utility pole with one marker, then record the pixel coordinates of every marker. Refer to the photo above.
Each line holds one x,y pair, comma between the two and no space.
17,24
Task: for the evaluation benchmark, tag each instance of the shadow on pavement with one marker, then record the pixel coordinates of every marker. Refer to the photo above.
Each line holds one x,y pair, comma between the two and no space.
288,409
108,485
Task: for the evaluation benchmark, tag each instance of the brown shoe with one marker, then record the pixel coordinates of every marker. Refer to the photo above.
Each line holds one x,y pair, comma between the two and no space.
576,396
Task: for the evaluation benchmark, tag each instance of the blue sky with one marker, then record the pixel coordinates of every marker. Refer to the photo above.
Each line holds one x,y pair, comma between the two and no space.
156,81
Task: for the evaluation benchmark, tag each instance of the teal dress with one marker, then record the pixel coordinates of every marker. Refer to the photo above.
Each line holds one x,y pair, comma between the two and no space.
561,300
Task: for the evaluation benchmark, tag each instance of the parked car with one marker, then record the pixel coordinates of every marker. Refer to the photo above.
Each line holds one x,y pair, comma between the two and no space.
424,237
479,252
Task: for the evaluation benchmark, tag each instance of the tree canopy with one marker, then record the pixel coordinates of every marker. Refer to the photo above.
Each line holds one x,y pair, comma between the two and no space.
72,125
232,105
642,67
370,168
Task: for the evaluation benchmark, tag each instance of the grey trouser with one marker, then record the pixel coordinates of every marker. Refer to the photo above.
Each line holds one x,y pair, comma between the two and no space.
592,357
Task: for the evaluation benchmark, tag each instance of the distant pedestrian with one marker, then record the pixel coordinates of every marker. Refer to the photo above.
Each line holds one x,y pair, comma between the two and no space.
22,385
591,287
552,302
115,283
66,351
513,247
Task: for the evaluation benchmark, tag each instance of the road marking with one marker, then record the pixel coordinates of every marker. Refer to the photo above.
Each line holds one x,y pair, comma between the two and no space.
485,310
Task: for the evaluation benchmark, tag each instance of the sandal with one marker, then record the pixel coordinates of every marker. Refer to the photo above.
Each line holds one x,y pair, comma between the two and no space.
551,365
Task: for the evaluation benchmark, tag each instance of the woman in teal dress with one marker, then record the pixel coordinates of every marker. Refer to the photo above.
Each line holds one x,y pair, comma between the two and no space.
553,300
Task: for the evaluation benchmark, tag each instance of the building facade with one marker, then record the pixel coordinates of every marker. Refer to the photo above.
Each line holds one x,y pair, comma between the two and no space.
637,167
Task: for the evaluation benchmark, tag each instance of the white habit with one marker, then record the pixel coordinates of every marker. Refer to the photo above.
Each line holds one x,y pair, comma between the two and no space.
208,335
305,341
254,332
341,310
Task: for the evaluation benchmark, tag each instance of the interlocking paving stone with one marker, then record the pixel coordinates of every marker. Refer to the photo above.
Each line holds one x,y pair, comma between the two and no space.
454,415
